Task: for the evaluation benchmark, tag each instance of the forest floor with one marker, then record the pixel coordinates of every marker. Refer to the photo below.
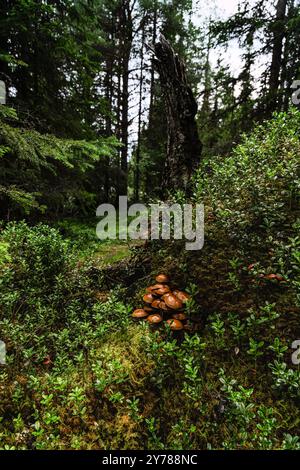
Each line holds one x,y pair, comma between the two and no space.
110,383
235,303
81,233
245,320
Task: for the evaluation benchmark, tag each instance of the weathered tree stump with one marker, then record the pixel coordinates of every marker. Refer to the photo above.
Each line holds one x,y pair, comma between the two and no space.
184,147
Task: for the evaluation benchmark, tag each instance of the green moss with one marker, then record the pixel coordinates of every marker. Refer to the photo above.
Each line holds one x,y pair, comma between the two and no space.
81,375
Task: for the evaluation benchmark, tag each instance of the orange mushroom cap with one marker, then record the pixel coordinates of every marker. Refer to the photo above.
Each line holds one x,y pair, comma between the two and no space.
163,278
156,303
172,301
162,291
179,316
271,276
148,298
154,319
156,286
163,306
175,325
139,313
181,295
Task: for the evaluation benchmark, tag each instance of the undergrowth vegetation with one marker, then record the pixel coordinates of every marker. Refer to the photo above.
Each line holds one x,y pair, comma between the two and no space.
253,196
80,374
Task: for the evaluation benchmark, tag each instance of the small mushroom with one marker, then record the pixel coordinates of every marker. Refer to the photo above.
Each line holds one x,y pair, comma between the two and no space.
155,319
179,316
274,277
172,301
148,298
181,295
162,291
156,287
175,325
156,303
163,306
139,314
162,278
271,276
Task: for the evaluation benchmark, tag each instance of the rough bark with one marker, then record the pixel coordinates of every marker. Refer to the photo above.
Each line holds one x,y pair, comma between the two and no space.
184,146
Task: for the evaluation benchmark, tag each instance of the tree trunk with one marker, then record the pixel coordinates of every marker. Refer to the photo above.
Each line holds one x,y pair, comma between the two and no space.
287,78
152,73
184,146
152,122
138,149
126,40
278,37
108,84
205,110
118,122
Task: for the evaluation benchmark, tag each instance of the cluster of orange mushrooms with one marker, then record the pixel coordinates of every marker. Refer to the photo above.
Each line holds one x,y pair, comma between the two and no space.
163,304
